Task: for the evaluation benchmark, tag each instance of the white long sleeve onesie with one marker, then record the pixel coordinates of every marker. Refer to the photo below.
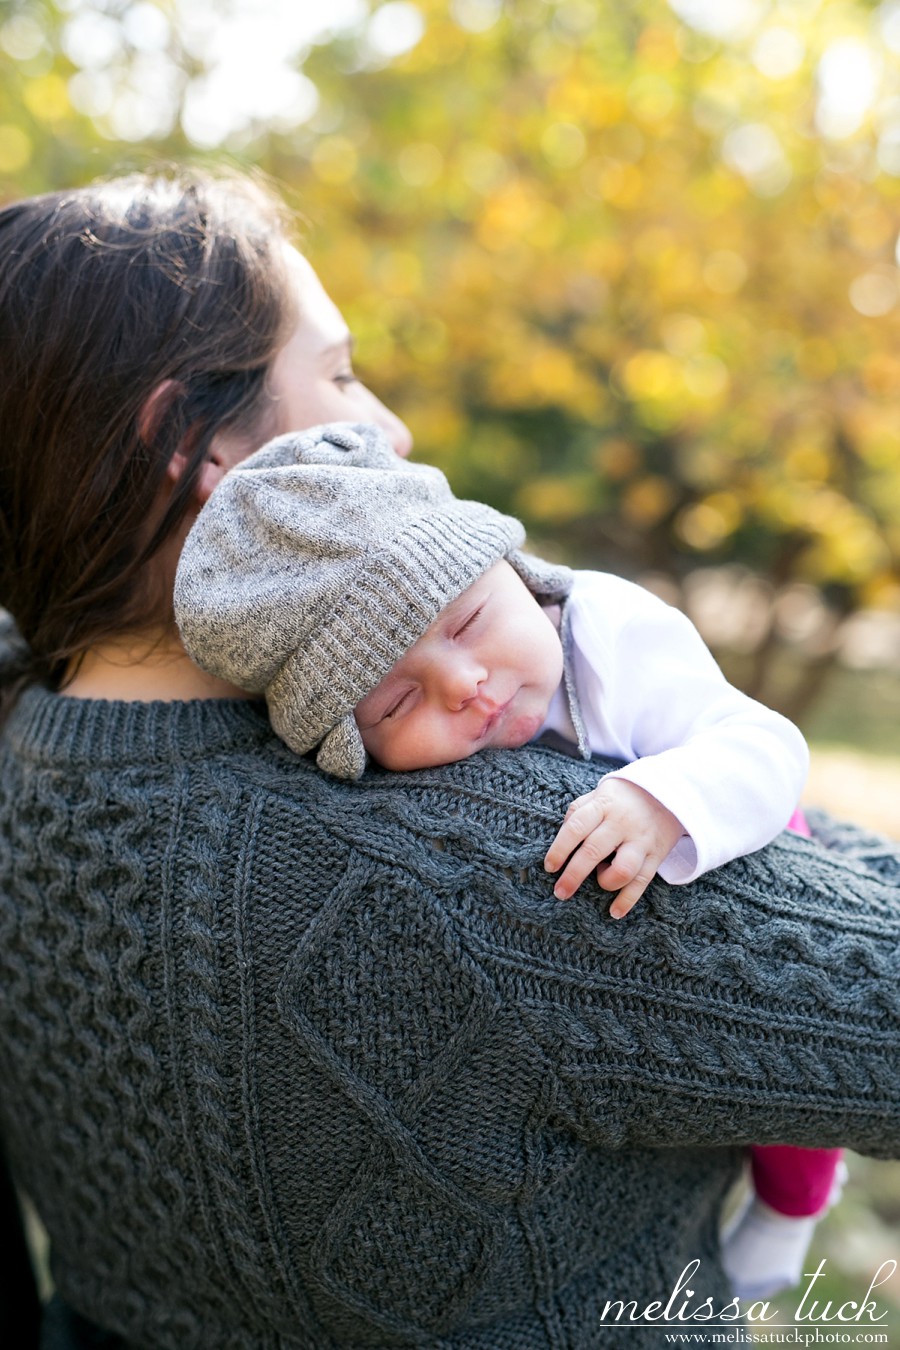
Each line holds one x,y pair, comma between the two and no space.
730,769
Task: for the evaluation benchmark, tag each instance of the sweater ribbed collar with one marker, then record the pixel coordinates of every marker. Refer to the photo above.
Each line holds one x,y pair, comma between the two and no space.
52,728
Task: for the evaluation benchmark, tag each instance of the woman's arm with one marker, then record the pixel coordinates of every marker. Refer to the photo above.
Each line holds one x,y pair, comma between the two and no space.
759,1003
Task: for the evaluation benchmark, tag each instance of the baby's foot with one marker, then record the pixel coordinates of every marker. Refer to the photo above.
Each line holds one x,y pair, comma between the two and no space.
764,1252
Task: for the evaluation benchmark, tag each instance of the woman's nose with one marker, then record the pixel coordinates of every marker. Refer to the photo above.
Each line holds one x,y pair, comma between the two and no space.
396,430
399,435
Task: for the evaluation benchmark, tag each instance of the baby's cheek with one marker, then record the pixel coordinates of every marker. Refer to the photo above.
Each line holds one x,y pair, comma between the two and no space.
522,730
429,743
391,753
408,744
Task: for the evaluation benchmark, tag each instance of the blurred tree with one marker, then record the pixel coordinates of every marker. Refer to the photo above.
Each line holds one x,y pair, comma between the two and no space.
629,271
641,289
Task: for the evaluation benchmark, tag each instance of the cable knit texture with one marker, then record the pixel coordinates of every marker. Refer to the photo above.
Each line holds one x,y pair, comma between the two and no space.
295,1064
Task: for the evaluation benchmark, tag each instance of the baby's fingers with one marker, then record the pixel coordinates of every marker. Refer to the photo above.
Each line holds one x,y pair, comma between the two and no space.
577,802
583,816
629,895
595,850
629,873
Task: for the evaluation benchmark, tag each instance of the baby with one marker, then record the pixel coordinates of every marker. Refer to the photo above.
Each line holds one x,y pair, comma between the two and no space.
380,615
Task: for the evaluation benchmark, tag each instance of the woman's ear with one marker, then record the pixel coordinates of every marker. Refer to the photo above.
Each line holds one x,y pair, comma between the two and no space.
155,407
212,471
224,452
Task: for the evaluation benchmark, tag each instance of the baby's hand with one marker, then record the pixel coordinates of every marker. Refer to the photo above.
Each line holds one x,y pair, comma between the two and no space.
618,818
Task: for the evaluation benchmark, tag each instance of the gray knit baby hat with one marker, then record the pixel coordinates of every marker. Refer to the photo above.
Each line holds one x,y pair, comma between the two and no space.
317,563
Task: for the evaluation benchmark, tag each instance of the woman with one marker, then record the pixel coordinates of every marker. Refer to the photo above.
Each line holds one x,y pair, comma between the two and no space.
294,1063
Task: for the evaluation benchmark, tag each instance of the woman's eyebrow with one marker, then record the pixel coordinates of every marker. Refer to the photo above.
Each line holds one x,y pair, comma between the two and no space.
345,344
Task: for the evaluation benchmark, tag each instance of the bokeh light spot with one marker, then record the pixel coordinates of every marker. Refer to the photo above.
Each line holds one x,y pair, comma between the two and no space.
778,52
15,149
724,271
874,293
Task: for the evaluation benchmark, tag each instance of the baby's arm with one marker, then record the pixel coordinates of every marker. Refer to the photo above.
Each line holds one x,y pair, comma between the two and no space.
713,773
619,818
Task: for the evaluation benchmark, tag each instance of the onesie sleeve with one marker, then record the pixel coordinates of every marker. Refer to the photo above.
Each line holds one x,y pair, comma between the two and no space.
729,768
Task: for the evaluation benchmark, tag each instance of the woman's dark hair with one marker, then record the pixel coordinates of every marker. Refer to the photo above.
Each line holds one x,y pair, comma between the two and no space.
106,292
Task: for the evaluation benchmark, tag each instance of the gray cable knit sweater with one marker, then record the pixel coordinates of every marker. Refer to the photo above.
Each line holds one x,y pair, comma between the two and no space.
292,1063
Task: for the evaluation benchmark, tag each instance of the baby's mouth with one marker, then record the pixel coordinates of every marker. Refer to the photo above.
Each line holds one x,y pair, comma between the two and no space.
492,721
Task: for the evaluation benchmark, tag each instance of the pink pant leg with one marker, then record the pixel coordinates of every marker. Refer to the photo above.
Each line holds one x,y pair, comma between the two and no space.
794,1181
798,824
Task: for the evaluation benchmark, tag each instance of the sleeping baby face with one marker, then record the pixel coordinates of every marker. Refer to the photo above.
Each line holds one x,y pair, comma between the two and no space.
482,675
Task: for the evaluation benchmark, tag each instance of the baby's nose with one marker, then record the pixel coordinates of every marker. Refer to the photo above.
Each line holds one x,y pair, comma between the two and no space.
460,682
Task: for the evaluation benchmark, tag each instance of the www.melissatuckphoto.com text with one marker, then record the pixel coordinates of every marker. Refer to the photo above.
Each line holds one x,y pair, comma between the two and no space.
685,1318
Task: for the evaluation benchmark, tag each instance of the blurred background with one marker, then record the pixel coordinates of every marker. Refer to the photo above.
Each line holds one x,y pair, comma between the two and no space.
628,270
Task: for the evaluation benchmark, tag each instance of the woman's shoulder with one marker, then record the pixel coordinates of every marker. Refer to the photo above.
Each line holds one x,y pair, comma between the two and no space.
495,796
230,753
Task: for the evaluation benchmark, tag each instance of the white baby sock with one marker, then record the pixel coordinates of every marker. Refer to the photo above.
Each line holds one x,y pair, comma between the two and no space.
763,1251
